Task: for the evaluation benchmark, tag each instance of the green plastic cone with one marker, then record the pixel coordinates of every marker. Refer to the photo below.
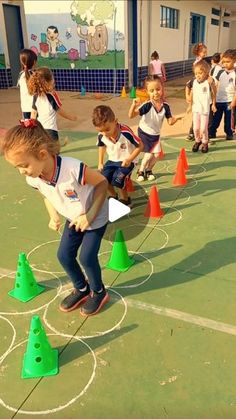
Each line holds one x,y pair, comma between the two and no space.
26,286
40,360
119,260
132,94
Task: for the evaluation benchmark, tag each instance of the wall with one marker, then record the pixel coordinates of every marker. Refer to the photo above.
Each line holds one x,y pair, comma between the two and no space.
173,44
84,35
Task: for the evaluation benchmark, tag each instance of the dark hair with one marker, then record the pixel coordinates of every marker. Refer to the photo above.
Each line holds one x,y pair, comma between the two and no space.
101,115
53,27
216,57
149,79
27,59
155,55
229,53
198,48
32,139
41,81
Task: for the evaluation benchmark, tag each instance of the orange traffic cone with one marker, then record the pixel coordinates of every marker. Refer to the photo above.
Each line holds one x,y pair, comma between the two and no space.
183,156
129,187
161,154
180,178
153,209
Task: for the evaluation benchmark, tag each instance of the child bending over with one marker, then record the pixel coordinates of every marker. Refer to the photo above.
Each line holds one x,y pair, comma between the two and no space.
76,192
122,147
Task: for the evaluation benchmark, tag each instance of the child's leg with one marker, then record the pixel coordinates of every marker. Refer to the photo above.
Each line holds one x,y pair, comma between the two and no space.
204,128
196,126
216,120
145,161
89,257
119,180
67,253
228,120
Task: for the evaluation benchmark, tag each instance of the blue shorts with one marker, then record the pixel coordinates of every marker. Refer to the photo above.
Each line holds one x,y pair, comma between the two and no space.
151,142
116,174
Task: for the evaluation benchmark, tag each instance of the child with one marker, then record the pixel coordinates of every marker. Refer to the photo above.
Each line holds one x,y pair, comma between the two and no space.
225,84
122,147
203,94
200,52
46,103
215,64
73,190
152,115
28,60
156,67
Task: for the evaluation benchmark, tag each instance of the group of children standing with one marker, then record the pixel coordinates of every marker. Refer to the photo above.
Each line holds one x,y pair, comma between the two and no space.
211,94
75,191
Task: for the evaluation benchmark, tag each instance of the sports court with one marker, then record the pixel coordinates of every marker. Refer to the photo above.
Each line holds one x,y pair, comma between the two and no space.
163,347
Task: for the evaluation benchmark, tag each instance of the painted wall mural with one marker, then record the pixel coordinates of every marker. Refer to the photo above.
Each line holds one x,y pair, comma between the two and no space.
90,35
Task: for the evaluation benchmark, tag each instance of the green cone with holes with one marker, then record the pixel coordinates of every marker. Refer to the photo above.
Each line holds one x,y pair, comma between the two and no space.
40,360
26,286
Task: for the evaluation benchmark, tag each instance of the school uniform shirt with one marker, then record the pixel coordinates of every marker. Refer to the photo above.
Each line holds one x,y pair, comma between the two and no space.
67,191
152,119
226,85
201,96
26,99
125,144
156,67
47,106
215,70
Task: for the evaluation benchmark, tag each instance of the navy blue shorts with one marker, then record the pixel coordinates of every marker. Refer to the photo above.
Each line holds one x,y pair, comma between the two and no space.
116,174
151,142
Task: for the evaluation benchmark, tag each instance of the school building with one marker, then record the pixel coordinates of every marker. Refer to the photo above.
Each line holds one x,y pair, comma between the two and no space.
104,45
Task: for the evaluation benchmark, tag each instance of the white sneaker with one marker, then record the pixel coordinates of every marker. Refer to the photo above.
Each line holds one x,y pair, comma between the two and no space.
150,175
141,177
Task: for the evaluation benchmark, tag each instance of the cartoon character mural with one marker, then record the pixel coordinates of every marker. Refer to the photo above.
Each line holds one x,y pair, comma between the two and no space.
90,18
53,41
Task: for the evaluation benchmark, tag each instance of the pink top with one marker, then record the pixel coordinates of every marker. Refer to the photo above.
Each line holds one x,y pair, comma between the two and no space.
156,64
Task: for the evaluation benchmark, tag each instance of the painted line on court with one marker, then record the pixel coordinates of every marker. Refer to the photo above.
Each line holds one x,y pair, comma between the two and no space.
181,315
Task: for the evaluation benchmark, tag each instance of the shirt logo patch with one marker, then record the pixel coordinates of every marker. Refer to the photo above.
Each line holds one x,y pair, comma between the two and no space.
204,89
231,80
123,146
72,195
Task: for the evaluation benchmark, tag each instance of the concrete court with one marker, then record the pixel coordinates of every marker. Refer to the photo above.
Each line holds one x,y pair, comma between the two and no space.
164,345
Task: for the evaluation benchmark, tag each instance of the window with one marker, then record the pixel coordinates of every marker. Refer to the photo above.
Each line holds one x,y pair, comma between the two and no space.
226,14
169,18
226,24
215,12
215,22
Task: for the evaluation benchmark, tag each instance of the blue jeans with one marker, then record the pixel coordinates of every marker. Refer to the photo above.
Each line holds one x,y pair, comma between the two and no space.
222,108
89,241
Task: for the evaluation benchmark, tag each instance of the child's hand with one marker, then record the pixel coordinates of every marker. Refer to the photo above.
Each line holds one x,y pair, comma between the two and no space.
231,105
137,102
213,108
126,163
100,166
81,223
54,224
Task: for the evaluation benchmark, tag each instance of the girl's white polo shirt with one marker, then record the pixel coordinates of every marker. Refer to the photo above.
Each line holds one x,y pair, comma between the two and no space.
26,99
67,191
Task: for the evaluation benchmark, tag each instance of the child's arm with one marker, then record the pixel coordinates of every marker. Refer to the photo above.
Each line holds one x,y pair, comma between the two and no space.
33,114
127,162
101,154
213,94
173,119
55,222
134,111
92,177
163,71
66,115
150,69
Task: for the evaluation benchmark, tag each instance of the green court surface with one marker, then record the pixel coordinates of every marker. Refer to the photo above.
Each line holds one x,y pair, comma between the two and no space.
164,345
